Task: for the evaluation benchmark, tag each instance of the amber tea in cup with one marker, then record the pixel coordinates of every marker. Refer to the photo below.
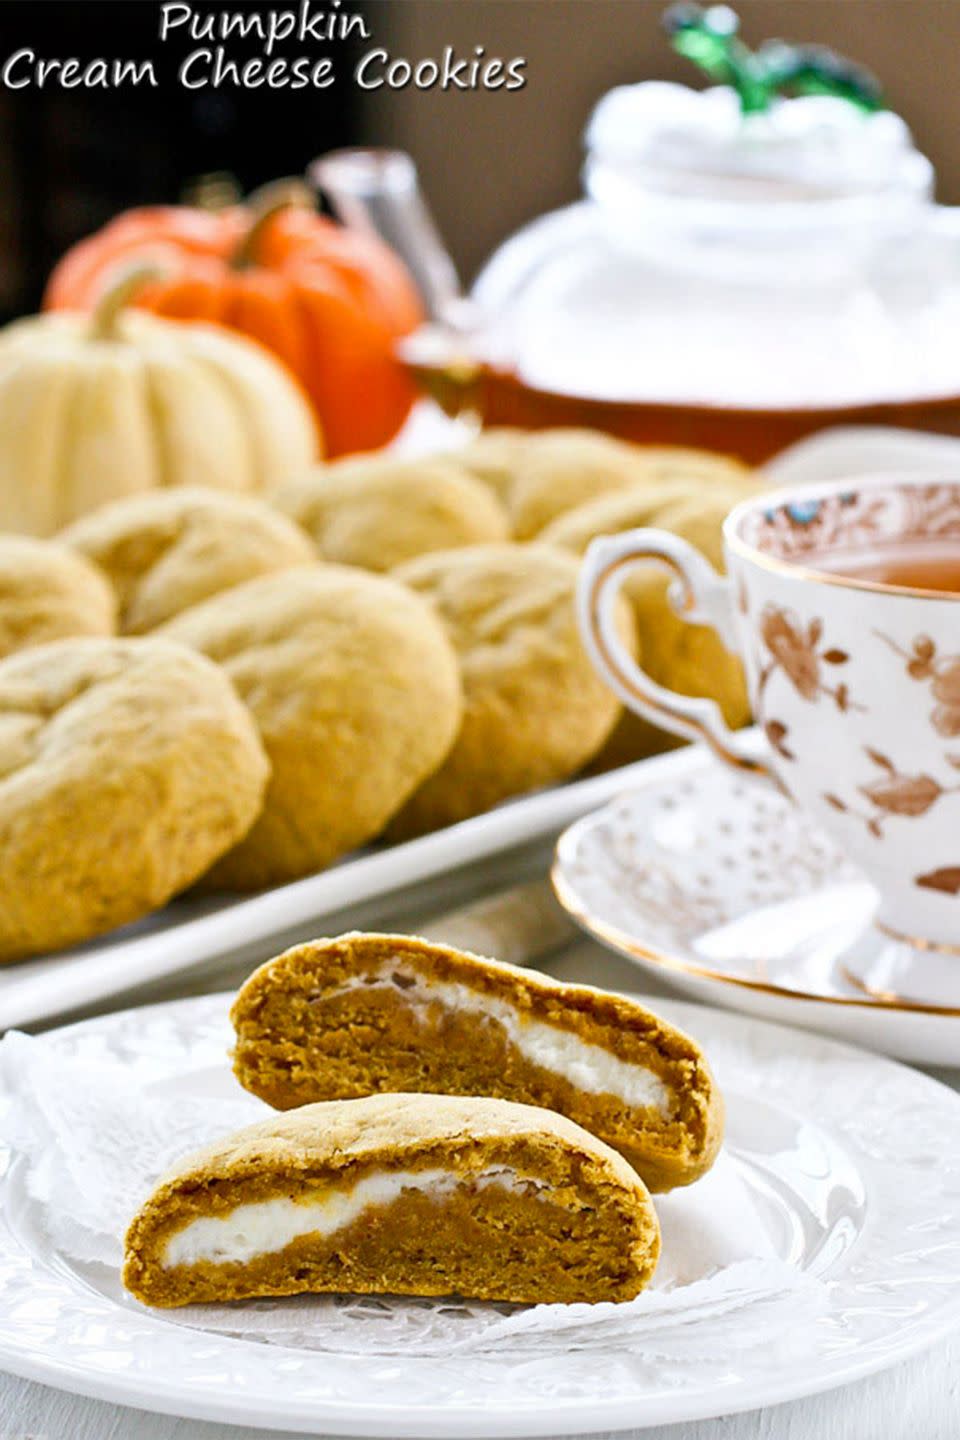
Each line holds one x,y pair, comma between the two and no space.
914,565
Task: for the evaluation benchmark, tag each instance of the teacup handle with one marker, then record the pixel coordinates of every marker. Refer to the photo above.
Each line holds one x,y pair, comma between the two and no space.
704,600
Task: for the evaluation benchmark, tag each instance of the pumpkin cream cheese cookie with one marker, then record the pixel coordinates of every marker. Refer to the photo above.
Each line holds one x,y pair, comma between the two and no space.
370,1013
401,1195
535,710
48,593
126,768
494,457
377,513
166,550
542,474
691,659
356,693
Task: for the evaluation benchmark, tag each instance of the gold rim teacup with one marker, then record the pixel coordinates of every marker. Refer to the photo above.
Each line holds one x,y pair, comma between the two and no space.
855,684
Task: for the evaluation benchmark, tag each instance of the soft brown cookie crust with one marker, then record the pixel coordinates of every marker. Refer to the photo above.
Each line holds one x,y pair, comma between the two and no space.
540,475
126,768
355,690
166,550
306,1032
690,659
535,710
49,593
585,1230
378,512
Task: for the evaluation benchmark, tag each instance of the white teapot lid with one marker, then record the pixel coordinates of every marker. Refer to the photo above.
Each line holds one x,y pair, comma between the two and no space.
800,147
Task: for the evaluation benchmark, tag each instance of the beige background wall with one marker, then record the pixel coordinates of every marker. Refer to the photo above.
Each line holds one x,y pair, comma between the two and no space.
489,161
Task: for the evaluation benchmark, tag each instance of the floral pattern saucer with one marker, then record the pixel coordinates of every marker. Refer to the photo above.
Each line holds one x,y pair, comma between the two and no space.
719,883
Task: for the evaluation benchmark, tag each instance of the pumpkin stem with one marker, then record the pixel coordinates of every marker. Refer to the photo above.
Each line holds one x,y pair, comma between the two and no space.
218,190
263,204
103,322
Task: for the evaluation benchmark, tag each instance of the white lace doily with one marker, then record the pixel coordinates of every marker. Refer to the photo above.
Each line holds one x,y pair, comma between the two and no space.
93,1141
824,1245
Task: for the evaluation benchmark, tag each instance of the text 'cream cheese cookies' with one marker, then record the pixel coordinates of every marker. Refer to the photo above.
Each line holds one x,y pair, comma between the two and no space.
370,1013
398,1195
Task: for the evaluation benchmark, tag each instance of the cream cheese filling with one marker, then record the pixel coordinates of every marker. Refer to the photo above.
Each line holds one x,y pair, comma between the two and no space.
266,1226
589,1067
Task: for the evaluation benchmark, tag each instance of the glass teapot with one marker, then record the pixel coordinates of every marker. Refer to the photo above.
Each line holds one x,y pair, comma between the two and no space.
737,275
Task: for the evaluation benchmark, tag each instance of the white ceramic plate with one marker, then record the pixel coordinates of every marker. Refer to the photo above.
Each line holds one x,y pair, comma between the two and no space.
722,886
853,1163
197,930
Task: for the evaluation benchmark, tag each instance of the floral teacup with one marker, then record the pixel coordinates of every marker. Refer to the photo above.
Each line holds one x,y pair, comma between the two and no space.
855,684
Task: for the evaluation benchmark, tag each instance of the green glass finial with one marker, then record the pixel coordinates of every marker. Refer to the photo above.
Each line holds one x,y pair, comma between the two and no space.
710,38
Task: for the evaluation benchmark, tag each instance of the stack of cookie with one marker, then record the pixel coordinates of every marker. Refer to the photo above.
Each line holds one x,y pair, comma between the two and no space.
203,687
560,488
454,1126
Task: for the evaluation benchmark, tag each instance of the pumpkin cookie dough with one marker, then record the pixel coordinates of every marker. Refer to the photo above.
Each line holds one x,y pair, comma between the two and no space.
542,474
126,768
379,512
367,1013
534,709
493,457
47,593
356,692
691,659
398,1195
167,550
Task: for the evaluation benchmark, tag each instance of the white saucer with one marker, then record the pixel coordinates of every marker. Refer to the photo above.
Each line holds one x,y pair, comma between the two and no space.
834,1146
723,883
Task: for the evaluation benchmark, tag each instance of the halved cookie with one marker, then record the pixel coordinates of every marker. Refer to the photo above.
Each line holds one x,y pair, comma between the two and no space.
369,1013
402,1195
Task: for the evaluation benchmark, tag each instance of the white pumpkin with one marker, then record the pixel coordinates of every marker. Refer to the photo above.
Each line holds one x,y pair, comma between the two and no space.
93,408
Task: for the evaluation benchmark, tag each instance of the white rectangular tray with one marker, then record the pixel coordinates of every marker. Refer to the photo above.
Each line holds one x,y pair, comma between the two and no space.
201,930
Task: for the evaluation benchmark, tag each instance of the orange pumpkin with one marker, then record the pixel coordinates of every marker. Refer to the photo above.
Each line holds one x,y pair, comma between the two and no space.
329,302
